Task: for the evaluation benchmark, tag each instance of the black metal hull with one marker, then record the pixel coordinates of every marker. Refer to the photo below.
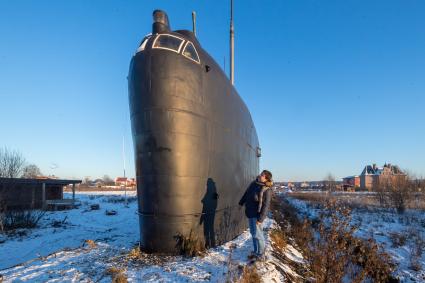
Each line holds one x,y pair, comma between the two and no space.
195,149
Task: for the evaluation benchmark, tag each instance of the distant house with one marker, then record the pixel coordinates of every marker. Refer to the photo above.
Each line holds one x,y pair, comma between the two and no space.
124,181
372,176
350,183
98,183
305,185
120,181
131,182
20,193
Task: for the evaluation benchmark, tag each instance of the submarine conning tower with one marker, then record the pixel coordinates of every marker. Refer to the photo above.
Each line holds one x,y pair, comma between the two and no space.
195,145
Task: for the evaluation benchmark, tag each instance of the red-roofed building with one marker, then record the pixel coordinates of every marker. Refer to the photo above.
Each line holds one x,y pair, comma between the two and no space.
124,181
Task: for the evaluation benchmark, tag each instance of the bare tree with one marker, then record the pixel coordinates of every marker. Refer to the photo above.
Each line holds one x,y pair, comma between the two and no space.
108,180
31,171
400,193
330,183
11,163
87,181
382,190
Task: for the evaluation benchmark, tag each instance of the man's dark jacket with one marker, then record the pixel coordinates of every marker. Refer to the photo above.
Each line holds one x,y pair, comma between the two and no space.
251,200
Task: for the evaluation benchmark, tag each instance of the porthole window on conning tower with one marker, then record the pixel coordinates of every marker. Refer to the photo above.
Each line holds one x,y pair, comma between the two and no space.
190,52
169,42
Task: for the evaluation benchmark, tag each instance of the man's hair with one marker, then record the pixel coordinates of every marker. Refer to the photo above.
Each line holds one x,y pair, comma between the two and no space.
267,174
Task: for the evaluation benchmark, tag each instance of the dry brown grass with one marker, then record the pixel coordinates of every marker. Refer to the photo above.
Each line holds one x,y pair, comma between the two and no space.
90,243
250,275
291,230
189,245
350,200
312,197
279,239
416,249
334,252
134,253
398,198
117,274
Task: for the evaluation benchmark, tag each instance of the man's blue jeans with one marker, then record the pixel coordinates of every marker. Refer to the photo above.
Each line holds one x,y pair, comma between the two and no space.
257,236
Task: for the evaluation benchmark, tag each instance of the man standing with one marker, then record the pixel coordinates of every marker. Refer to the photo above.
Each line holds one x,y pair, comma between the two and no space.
257,201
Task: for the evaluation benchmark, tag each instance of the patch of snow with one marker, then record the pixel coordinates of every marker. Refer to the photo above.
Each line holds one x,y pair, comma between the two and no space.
59,254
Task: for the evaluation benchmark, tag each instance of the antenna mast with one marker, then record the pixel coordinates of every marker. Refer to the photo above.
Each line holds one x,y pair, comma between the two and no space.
194,22
232,46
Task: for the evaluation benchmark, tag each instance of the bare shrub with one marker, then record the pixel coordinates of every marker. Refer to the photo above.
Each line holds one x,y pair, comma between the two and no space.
370,262
16,219
400,193
337,253
398,239
331,249
11,163
416,249
327,253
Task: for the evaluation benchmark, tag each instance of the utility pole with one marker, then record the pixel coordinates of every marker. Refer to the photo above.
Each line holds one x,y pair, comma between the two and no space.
125,184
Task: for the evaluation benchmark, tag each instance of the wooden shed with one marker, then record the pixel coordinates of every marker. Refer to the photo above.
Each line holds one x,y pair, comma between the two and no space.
20,193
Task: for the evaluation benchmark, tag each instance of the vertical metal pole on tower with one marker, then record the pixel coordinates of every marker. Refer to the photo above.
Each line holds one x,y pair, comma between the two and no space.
232,46
194,22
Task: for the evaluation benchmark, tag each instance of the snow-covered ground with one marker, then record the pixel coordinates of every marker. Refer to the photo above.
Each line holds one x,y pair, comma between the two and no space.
385,225
57,251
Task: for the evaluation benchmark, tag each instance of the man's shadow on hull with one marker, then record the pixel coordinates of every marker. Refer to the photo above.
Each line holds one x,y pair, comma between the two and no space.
209,201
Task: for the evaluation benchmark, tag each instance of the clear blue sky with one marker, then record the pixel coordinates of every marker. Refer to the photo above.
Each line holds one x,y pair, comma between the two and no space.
331,85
